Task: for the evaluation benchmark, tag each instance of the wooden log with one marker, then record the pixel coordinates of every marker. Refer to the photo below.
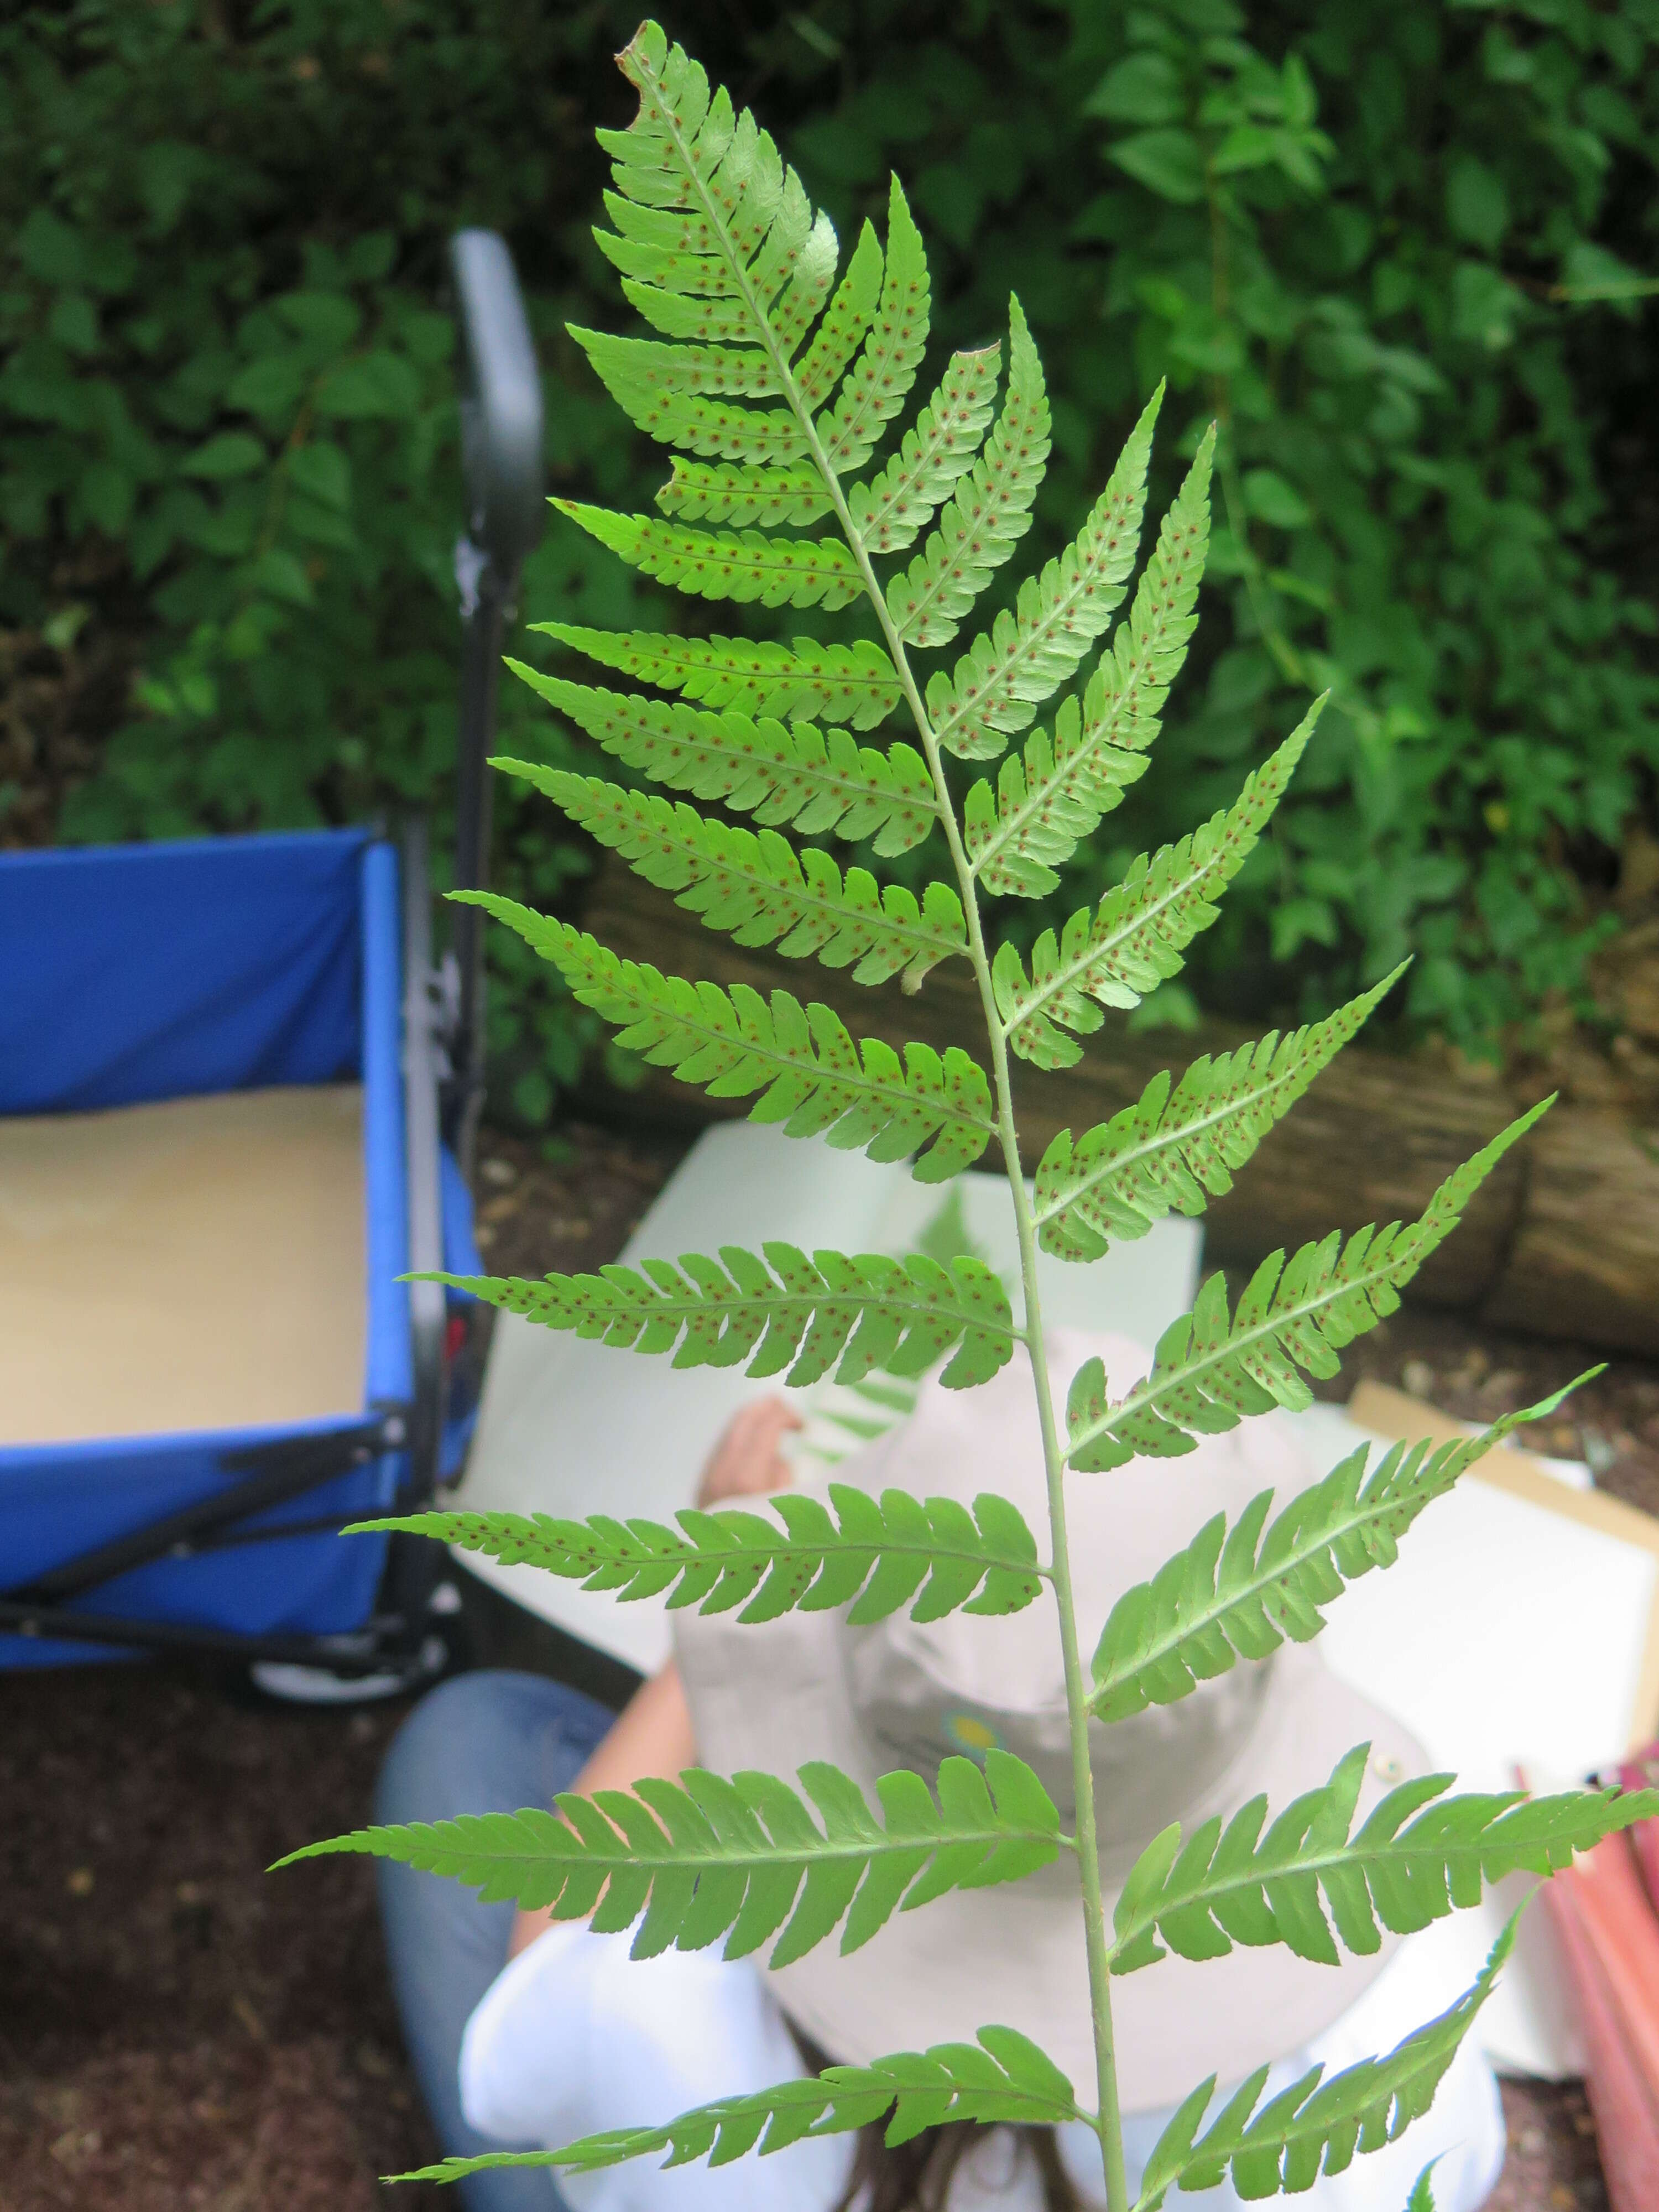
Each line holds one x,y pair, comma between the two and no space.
1562,1239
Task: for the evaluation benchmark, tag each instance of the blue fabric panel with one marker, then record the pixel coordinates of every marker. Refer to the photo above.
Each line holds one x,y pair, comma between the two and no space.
136,972
58,1500
390,1357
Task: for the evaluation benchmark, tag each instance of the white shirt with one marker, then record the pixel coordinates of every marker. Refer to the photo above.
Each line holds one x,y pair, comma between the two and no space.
573,2038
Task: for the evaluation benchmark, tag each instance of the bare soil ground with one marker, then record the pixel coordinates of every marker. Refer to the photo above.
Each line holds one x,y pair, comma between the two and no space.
180,2031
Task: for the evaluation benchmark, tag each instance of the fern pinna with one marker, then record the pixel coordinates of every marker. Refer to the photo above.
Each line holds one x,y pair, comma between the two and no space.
777,375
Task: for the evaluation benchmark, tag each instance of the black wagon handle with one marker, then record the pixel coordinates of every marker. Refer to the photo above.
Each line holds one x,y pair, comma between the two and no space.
501,459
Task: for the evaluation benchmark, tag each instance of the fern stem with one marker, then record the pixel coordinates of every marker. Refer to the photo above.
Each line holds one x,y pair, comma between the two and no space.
1108,2121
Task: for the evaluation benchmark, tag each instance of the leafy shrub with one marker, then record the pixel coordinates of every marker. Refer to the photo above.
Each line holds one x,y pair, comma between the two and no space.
718,244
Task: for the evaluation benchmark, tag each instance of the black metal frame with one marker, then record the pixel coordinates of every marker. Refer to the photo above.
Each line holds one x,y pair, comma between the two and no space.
442,1081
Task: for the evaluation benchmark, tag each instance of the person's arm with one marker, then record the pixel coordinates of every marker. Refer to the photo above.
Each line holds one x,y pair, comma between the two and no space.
652,1733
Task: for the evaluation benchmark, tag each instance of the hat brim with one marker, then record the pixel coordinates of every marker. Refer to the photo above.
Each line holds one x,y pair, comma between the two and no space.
1014,1955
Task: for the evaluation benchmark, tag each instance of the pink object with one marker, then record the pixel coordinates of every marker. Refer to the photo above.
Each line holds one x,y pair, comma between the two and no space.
1624,2095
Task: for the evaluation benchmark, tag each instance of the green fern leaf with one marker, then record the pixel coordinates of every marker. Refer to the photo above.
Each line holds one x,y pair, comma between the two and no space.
851,313
1003,2078
854,683
1316,2125
794,775
1167,1152
1047,803
743,565
760,890
708,1857
1309,1882
781,1312
889,512
995,687
929,1553
989,511
813,1079
1135,938
664,389
701,491
1211,1369
1238,1595
879,379
1422,2197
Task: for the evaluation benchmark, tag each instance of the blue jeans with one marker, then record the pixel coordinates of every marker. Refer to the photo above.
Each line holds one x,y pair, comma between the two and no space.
486,1742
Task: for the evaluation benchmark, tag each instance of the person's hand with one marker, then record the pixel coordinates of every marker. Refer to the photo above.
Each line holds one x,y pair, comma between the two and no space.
746,1462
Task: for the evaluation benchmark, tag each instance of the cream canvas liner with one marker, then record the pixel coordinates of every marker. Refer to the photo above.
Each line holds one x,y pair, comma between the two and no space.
195,1264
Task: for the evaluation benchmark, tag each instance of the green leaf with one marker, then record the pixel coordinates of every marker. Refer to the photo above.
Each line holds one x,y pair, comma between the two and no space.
1166,1151
377,385
782,1312
1275,501
701,491
1315,2126
761,891
1048,804
853,684
1003,2079
851,313
1237,1594
1313,1882
1135,938
1211,1367
709,1857
889,511
989,511
996,686
1146,87
662,388
1169,162
812,1077
231,453
1422,2197
796,774
778,572
879,380
929,1553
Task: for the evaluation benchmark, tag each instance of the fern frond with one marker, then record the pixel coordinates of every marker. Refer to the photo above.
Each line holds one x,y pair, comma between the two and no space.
1236,1594
1211,1369
812,1077
854,683
1422,2197
987,514
851,313
703,491
929,1553
879,379
1420,1857
889,511
1316,2125
641,369
794,775
1167,1152
782,1311
1003,2078
996,686
760,890
1135,938
709,1857
743,565
1047,803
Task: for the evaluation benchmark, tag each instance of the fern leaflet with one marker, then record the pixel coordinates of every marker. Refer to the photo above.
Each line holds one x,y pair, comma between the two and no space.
853,684
812,1078
1047,803
889,511
851,313
1315,2126
1420,1856
995,687
709,1857
795,775
929,1553
1238,1595
704,491
1135,938
762,891
876,385
1166,1151
742,565
1003,2078
987,514
1211,1369
782,1311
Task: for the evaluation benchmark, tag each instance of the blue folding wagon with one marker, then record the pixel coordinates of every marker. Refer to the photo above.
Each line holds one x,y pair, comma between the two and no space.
236,1099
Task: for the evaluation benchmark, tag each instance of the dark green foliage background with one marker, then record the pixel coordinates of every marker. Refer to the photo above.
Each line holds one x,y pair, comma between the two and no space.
1399,250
